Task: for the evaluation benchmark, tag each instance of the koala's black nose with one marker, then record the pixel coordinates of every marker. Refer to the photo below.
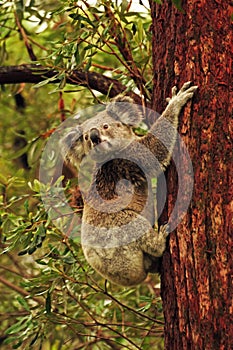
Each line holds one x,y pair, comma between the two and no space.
95,136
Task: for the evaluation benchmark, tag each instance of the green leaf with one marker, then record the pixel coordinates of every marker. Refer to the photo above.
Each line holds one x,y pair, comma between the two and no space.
16,346
24,303
140,31
23,252
26,206
58,59
124,6
31,249
77,17
19,5
10,340
36,186
69,260
41,231
41,262
3,179
62,83
88,65
15,328
46,81
19,153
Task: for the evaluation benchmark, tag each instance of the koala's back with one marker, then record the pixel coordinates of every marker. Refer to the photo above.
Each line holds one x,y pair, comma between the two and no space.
118,210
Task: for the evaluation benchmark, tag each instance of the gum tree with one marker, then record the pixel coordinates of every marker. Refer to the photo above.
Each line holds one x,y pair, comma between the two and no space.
195,44
113,49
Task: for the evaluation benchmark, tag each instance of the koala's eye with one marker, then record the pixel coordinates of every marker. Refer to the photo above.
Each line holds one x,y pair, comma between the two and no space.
105,126
86,137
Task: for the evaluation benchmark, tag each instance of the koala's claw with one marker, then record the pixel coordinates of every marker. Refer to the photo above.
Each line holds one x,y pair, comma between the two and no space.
164,230
185,87
174,91
184,94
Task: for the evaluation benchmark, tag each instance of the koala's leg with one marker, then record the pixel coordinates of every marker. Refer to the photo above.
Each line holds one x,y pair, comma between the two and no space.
154,241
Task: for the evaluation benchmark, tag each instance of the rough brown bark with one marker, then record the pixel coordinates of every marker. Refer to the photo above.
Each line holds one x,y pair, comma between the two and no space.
197,273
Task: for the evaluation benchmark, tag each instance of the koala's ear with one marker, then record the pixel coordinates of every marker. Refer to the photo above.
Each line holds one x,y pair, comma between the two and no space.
123,109
70,138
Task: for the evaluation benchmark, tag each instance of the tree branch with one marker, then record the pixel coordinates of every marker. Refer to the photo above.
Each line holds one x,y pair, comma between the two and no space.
20,290
33,73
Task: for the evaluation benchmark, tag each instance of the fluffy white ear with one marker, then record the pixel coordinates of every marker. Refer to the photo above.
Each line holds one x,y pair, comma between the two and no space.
69,140
123,109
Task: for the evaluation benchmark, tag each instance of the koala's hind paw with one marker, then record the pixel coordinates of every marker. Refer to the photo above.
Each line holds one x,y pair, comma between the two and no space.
164,231
161,239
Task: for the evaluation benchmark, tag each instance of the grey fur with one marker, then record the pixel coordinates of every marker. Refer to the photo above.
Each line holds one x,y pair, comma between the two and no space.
120,239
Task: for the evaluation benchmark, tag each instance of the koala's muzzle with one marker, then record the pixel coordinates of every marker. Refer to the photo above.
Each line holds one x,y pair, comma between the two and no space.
95,136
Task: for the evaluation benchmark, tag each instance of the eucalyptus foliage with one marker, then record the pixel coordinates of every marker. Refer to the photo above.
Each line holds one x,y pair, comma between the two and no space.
50,297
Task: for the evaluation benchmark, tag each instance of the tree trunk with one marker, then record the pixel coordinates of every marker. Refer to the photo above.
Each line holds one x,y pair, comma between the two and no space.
197,269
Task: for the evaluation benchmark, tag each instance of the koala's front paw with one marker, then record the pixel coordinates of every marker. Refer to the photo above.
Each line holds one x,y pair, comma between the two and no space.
181,98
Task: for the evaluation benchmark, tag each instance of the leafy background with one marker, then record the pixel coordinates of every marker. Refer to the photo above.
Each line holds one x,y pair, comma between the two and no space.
50,297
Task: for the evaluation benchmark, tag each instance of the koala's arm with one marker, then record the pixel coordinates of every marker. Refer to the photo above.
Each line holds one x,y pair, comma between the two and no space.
161,138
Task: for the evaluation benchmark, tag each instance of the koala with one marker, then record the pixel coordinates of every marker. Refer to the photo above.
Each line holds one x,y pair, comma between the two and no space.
119,237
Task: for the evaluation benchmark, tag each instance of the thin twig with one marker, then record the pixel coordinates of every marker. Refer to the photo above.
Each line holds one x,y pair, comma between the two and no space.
25,39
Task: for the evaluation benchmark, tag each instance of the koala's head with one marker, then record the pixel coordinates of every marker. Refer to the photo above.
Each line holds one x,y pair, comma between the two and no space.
110,131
